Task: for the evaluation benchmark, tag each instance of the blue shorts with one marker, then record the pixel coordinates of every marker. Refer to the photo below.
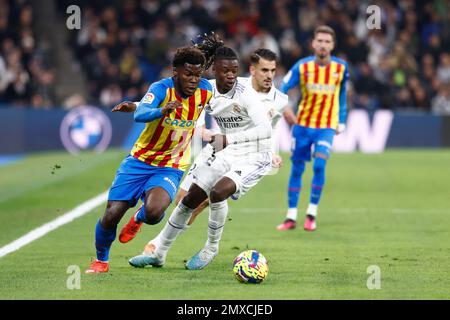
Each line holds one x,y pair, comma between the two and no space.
303,138
134,178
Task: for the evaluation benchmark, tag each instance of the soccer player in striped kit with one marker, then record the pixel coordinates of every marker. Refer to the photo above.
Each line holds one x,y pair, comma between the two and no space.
153,169
321,114
223,171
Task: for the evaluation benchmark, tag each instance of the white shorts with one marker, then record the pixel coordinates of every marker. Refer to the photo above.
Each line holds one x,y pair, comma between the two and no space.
189,177
245,172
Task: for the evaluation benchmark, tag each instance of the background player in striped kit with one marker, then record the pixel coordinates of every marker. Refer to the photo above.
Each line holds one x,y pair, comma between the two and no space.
321,114
153,169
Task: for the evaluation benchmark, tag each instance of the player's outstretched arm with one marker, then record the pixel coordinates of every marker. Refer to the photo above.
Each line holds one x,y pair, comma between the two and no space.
125,106
277,161
149,108
149,112
290,116
218,142
171,106
206,134
291,79
343,102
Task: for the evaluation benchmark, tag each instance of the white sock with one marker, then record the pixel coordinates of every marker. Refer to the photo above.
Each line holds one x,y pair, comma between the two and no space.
157,240
174,226
292,214
312,210
217,216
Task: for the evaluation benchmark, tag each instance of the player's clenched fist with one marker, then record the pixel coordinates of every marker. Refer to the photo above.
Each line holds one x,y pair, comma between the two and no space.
218,141
169,107
125,106
277,161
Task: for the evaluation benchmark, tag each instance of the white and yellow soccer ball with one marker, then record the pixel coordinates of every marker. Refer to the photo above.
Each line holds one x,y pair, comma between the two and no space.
250,266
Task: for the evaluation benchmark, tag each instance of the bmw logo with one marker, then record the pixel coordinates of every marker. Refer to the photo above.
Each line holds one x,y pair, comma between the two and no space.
85,128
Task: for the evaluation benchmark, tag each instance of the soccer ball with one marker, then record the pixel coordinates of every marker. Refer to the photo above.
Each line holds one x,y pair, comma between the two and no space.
250,266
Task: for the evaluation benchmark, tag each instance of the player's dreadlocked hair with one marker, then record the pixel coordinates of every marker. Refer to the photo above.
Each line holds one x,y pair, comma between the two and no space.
189,55
213,48
225,53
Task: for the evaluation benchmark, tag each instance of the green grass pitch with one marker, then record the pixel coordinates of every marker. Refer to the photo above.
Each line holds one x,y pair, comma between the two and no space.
390,210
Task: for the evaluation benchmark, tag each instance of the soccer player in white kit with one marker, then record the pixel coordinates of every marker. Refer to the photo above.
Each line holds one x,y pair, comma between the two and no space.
262,69
232,171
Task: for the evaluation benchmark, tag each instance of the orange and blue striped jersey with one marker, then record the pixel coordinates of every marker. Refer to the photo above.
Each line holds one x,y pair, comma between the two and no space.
165,140
323,92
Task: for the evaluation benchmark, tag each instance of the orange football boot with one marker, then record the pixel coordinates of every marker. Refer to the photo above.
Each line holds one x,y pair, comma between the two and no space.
130,230
98,267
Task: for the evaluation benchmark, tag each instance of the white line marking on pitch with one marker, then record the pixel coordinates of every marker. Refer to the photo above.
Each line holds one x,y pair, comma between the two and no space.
35,234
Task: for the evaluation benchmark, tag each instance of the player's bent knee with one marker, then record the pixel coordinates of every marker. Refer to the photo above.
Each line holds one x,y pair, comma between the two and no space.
222,190
154,214
194,197
218,195
320,155
113,214
108,221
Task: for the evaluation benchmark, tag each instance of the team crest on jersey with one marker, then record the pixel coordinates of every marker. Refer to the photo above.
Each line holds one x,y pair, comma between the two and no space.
236,108
335,75
148,98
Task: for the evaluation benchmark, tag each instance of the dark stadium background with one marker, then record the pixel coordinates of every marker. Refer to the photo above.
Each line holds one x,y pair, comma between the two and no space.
123,46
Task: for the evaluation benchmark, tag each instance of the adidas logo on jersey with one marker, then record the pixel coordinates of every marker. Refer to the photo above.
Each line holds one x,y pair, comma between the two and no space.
239,173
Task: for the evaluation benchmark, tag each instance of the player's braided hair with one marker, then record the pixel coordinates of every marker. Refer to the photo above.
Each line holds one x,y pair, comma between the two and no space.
208,44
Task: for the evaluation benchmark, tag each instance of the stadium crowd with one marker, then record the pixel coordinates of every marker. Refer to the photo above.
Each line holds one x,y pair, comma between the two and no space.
26,76
123,46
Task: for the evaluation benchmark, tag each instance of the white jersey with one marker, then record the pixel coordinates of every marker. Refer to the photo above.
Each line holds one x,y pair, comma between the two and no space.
239,115
275,102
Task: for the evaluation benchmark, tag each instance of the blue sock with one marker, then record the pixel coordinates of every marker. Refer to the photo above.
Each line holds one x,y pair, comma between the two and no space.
318,180
103,240
295,183
141,216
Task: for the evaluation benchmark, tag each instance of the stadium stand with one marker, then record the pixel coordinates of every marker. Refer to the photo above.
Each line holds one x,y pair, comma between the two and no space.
123,46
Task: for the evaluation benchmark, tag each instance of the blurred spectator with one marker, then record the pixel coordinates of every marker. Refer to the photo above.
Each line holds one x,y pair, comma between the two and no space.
111,95
443,70
403,98
402,65
123,46
440,104
25,76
